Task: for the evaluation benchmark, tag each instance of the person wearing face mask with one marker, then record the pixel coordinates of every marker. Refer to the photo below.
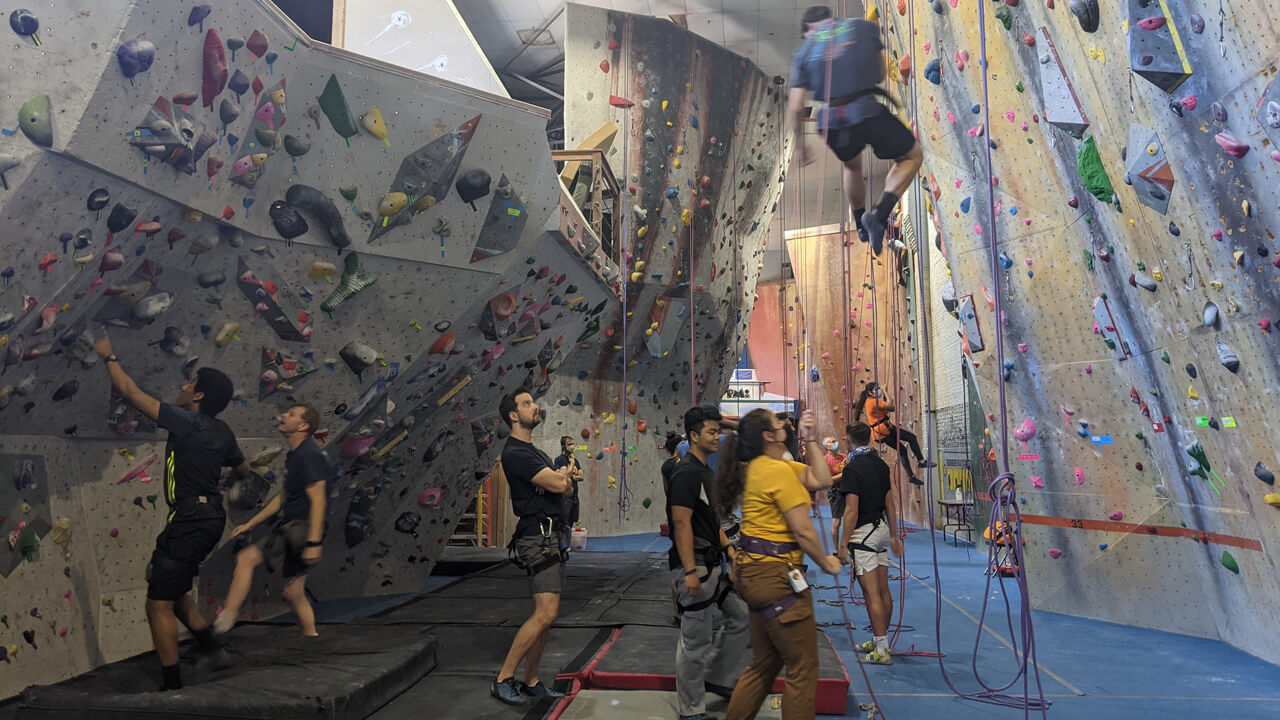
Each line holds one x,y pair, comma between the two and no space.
775,537
876,406
835,499
563,460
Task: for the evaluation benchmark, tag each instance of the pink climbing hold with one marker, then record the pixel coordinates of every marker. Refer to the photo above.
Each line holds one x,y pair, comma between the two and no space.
604,66
1088,369
1079,476
1188,103
977,229
1217,235
1008,114
1025,126
928,46
1234,147
959,182
1117,515
826,356
430,498
1152,23
1276,261
1055,553
1022,347
1275,155
1037,482
951,117
1265,324
1025,432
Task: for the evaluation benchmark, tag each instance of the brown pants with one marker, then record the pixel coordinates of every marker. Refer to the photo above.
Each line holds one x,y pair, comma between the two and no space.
789,640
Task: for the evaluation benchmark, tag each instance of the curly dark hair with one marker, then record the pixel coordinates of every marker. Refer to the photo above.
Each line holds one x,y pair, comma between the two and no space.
738,449
859,406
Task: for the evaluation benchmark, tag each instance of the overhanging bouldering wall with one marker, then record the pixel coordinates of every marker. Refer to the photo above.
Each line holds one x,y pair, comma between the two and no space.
1134,179
215,189
852,330
700,158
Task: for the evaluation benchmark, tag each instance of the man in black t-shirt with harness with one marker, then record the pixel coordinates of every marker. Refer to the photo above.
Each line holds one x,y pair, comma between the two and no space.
293,545
540,545
869,530
706,660
198,447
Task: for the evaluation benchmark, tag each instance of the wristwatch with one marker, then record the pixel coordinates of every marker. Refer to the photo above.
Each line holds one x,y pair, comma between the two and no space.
111,358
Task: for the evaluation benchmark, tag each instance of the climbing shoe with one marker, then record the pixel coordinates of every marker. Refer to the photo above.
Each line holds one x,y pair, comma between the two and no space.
862,234
914,480
878,657
353,281
922,464
875,231
508,691
721,690
538,691
867,647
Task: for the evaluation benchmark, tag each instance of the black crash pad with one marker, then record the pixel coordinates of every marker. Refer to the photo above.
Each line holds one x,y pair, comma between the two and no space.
347,673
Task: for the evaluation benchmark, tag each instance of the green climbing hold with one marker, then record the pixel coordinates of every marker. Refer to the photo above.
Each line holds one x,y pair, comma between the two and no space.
1111,344
1140,435
36,120
1092,173
592,328
1230,563
1019,87
1142,267
1165,357
334,104
1005,16
675,385
1088,259
646,502
348,191
28,544
266,138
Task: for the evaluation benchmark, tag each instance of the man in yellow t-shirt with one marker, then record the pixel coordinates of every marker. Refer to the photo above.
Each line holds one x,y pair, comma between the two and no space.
776,534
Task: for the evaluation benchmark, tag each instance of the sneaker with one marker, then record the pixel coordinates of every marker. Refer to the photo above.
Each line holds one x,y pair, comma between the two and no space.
868,646
875,231
538,691
508,692
878,657
721,690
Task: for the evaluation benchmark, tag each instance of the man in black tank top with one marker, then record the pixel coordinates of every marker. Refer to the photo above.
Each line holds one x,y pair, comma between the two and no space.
199,446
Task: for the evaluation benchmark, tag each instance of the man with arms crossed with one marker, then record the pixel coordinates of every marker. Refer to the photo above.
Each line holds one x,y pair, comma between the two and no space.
870,522
706,660
198,447
539,546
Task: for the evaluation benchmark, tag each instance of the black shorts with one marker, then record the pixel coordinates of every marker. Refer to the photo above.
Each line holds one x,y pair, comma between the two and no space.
837,501
886,135
282,549
180,548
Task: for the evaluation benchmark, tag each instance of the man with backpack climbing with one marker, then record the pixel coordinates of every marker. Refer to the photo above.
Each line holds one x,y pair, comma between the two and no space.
842,62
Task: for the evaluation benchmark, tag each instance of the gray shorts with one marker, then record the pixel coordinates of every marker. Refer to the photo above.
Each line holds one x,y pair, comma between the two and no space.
550,579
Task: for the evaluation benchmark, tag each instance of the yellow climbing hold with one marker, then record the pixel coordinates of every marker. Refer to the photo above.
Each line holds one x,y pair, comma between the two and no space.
873,14
1245,207
1239,256
642,231
635,277
425,202
277,96
686,217
679,149
1215,284
259,159
1272,499
1191,392
676,163
609,418
320,269
1152,149
648,332
193,216
639,265
613,484
392,203
373,122
664,105
1159,276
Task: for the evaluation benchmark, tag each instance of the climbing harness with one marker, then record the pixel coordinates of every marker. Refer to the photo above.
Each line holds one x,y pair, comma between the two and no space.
759,546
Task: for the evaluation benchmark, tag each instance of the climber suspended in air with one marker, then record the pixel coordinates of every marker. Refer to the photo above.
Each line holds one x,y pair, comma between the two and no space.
842,62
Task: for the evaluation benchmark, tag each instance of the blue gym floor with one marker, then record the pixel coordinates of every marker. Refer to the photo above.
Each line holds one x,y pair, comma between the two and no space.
1089,669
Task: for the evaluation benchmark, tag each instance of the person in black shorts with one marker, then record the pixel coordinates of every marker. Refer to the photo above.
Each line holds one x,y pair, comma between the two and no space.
850,117
540,544
293,545
198,448
566,459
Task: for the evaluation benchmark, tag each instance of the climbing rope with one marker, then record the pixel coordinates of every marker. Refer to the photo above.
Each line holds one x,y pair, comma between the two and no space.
624,491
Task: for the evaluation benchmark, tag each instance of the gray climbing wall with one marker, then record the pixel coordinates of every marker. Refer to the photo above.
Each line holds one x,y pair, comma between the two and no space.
335,233
700,159
1124,203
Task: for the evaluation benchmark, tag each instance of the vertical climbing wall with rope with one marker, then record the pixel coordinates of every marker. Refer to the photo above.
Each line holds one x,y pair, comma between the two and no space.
1121,156
851,313
700,165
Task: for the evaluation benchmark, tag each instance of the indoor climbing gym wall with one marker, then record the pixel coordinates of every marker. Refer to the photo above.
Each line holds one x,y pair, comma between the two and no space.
693,132
213,189
1121,153
846,323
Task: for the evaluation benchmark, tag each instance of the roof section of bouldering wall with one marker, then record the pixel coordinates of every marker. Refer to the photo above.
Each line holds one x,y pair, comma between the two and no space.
699,155
1135,215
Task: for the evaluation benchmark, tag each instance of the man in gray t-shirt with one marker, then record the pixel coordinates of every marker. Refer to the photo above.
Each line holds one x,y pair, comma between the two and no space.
841,61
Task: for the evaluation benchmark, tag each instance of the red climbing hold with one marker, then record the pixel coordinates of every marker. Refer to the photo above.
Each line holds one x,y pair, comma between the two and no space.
1152,23
1234,147
1049,4
1029,40
1073,201
902,7
613,44
621,102
1188,103
604,66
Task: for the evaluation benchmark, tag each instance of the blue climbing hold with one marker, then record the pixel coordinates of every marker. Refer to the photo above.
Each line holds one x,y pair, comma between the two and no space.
1013,209
1006,262
976,109
965,204
672,193
933,71
693,120
1102,546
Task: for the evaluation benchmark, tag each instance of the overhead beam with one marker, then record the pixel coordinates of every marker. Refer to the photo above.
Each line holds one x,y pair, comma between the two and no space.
533,84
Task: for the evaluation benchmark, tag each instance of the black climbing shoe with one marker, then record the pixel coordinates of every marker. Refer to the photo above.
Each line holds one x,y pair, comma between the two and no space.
922,464
914,480
508,692
875,231
538,691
